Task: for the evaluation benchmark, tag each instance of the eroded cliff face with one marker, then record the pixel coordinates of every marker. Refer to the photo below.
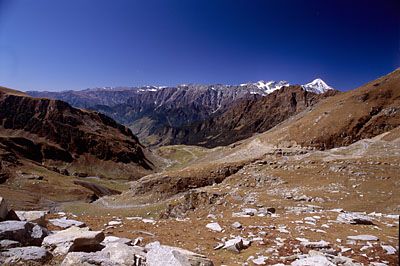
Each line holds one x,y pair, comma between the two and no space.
248,116
44,129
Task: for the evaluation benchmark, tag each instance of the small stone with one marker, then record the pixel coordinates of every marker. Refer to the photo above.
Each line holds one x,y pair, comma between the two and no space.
114,239
249,211
237,225
66,223
363,238
319,244
389,249
113,223
260,260
354,218
319,260
214,226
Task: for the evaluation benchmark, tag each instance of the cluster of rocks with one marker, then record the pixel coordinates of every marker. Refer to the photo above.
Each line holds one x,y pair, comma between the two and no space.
24,239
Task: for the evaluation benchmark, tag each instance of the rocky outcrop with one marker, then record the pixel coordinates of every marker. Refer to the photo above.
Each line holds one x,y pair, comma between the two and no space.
173,182
25,233
73,239
190,201
53,130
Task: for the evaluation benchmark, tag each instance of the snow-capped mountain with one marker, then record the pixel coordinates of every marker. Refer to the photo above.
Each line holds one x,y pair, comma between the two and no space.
151,111
317,86
265,87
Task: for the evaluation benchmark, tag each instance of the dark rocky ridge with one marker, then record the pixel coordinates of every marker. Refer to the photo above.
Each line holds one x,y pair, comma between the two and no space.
44,130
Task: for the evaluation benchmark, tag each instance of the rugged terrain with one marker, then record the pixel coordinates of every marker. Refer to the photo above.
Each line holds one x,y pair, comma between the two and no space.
197,114
319,188
45,144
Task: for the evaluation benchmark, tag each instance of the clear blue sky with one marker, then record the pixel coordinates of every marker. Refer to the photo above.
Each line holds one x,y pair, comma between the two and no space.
76,44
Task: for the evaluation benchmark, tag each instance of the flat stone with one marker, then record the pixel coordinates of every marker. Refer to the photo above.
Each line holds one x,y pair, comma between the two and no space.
74,239
319,244
249,211
25,254
24,232
161,255
112,223
318,260
237,225
113,254
236,244
114,239
363,238
214,226
390,250
66,223
260,260
354,218
6,244
32,216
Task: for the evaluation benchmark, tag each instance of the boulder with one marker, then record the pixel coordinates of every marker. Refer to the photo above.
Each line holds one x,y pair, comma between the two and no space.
354,218
74,239
24,232
32,216
113,254
24,255
3,209
66,223
160,255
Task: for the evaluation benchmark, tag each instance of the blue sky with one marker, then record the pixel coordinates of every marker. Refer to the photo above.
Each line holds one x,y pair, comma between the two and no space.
76,44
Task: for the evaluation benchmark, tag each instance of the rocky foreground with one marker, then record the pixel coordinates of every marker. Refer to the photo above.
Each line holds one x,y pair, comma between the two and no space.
26,238
308,235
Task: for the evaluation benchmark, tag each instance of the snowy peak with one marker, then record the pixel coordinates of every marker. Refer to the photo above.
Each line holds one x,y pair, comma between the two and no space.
265,87
317,86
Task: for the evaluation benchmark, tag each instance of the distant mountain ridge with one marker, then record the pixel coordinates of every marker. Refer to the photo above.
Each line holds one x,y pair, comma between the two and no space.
158,114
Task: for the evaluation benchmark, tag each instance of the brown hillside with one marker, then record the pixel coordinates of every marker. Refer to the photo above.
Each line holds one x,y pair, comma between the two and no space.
365,112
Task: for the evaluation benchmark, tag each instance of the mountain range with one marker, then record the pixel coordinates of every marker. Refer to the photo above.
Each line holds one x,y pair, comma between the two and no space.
294,172
195,114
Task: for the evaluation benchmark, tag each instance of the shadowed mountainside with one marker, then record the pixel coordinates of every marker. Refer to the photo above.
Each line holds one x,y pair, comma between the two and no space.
51,132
